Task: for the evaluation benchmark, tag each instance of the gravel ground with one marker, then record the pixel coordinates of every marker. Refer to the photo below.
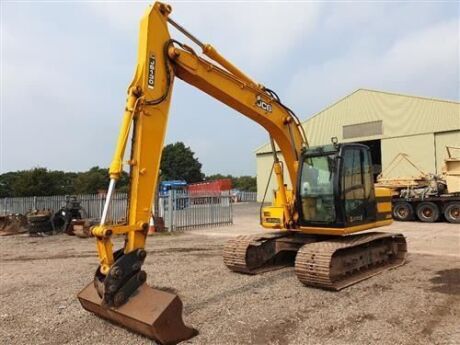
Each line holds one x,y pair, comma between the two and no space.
418,303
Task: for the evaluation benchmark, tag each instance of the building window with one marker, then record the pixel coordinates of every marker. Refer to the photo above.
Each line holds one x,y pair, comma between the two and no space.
365,129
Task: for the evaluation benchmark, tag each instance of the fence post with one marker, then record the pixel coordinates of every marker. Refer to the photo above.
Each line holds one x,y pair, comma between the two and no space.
100,205
170,210
230,204
34,204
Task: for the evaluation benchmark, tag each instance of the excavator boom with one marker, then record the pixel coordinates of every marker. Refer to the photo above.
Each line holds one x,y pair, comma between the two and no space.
119,292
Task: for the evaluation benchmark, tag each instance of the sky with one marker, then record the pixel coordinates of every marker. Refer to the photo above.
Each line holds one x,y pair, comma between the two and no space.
65,67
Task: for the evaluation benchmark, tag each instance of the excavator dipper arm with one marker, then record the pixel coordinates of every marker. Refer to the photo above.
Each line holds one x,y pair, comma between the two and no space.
119,292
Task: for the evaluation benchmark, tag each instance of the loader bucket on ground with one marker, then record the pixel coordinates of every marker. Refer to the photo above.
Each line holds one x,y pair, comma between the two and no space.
154,313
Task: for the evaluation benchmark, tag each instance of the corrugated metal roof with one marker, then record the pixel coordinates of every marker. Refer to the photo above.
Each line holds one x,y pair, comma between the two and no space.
402,115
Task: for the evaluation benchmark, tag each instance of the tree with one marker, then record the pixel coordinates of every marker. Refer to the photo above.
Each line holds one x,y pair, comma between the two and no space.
37,181
6,184
92,180
123,183
97,179
219,177
178,162
64,182
244,183
43,182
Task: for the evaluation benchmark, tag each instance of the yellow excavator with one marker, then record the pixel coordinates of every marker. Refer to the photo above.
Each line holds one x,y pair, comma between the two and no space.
332,196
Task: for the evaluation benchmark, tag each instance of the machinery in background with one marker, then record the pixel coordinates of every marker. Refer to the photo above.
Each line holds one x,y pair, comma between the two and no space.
47,222
203,192
81,227
313,224
210,188
71,210
166,186
39,223
426,197
205,188
13,224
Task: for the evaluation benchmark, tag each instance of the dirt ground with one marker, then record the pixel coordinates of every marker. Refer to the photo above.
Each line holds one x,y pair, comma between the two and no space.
418,303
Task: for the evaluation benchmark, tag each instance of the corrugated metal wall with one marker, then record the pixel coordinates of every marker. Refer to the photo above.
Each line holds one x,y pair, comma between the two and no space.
409,124
419,148
442,140
401,116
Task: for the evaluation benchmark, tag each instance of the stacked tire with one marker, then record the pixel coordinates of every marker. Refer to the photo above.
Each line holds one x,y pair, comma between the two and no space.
39,223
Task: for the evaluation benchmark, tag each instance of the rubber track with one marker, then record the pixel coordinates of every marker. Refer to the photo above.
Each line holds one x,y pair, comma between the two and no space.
235,251
314,260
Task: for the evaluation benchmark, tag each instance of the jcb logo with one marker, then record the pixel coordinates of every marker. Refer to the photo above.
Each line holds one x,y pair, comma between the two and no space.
151,75
263,105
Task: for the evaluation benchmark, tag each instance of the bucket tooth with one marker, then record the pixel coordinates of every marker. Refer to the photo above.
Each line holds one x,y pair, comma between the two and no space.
151,312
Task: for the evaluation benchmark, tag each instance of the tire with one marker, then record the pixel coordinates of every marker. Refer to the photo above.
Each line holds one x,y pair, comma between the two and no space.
427,212
403,211
58,222
452,212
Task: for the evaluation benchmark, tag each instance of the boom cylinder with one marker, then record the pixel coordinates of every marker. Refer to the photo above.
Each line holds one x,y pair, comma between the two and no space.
213,54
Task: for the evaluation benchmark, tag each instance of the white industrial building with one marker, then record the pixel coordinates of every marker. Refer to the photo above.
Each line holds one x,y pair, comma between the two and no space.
388,123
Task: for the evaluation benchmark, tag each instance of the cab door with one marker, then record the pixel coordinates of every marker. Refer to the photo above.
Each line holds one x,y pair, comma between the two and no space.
357,187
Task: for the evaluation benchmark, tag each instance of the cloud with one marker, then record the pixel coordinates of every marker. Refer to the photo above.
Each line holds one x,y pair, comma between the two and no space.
121,16
252,35
66,67
52,90
424,62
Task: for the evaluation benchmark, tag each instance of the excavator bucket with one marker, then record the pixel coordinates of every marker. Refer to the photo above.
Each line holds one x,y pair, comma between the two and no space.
151,312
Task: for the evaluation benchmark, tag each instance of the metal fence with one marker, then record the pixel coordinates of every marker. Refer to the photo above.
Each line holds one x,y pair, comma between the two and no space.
178,210
92,205
195,211
247,197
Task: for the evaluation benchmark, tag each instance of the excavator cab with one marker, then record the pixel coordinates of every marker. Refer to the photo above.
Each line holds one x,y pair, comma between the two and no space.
335,187
335,193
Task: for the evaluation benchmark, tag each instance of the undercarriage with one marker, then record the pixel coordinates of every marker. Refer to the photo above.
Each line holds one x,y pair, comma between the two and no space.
327,262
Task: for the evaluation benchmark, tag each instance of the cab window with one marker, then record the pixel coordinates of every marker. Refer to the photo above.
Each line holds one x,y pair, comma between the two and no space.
317,189
356,184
